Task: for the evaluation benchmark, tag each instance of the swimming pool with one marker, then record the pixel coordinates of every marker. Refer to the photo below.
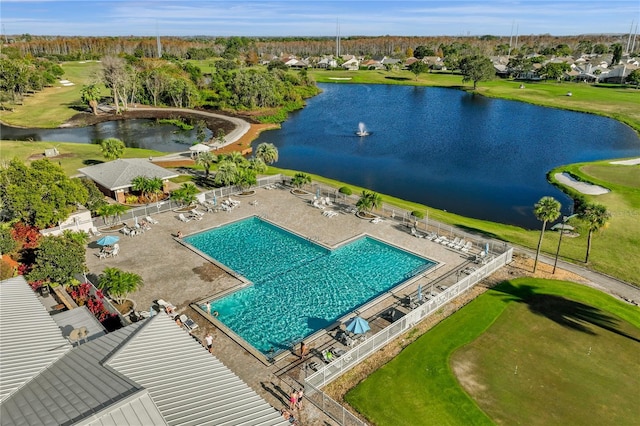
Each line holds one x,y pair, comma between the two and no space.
299,287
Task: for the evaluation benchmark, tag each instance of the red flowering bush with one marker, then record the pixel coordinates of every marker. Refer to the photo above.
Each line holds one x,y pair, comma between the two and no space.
35,285
81,294
26,236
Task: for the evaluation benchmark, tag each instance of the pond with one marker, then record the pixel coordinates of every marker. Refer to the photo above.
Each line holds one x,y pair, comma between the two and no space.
136,133
449,149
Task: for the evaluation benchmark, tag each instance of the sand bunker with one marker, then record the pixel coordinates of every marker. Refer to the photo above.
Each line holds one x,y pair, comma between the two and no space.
632,162
583,187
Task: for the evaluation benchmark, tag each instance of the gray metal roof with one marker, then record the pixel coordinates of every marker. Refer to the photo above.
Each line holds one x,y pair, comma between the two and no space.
118,174
188,384
30,340
76,318
148,373
76,387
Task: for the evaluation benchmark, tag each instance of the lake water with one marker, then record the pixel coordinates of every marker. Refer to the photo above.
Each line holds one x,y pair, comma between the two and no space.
451,150
137,133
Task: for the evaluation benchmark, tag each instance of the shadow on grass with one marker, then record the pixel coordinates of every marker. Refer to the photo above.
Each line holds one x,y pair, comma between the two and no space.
397,78
565,312
91,162
476,231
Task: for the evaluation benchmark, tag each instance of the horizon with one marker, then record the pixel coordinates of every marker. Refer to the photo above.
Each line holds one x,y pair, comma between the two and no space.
316,19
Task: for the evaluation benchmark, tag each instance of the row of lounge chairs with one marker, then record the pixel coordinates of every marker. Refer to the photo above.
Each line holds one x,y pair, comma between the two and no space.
170,310
457,243
322,202
329,213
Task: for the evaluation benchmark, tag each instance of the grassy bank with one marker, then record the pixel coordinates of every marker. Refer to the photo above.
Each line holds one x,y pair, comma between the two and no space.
73,156
574,346
620,103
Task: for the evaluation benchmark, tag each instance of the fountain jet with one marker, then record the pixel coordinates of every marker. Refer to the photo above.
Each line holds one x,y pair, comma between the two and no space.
362,130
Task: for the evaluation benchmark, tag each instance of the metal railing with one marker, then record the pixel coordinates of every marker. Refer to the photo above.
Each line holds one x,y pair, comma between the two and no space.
356,355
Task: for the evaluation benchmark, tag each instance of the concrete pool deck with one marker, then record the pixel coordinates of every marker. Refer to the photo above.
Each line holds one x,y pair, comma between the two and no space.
173,272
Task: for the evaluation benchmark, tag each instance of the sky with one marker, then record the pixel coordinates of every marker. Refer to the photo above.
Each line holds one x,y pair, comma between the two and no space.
318,17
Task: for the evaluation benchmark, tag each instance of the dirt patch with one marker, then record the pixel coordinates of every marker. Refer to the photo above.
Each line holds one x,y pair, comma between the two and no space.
520,267
244,143
463,369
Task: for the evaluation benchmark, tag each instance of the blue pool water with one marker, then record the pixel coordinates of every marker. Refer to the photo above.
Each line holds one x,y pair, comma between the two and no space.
298,287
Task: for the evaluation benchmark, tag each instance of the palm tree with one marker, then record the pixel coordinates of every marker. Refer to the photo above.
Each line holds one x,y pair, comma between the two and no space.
91,95
245,178
300,179
118,284
596,217
267,152
109,211
369,200
226,174
546,209
235,157
206,159
112,148
141,183
186,194
155,186
258,165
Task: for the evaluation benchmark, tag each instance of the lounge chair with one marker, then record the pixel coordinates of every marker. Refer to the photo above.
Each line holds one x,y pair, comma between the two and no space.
183,218
188,323
460,244
377,220
328,356
95,231
151,220
467,247
328,201
454,243
414,232
444,241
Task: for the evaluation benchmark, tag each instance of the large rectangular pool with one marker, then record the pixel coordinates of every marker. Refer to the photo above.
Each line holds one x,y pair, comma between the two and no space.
299,287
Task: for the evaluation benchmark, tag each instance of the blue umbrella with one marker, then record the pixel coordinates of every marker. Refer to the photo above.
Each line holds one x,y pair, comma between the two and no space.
108,240
215,201
420,293
357,325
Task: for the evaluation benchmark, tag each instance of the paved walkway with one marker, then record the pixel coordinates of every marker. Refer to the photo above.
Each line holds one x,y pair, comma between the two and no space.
241,127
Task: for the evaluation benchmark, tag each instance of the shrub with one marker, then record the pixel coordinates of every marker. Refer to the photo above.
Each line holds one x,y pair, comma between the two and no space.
345,190
417,214
131,199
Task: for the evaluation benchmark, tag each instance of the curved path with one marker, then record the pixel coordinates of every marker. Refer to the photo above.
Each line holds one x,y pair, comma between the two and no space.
241,126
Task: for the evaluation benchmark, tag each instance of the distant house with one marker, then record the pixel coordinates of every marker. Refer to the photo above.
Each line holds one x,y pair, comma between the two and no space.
148,373
114,177
372,64
351,64
325,63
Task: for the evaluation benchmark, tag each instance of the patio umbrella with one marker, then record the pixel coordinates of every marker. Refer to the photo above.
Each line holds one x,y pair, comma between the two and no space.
420,293
562,226
108,240
357,325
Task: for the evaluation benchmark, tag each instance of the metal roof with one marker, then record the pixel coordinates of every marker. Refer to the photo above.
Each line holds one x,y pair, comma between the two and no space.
76,318
188,384
118,174
148,373
30,340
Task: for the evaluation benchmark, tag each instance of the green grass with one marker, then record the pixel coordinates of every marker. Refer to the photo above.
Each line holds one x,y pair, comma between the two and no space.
516,324
54,105
620,103
73,156
616,248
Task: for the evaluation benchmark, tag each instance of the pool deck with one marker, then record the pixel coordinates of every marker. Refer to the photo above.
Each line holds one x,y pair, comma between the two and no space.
177,274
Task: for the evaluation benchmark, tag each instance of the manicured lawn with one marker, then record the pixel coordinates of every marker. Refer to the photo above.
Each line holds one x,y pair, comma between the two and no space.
54,105
73,156
546,329
616,249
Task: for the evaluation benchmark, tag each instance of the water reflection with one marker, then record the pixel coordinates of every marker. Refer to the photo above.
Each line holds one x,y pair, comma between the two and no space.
468,154
136,133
